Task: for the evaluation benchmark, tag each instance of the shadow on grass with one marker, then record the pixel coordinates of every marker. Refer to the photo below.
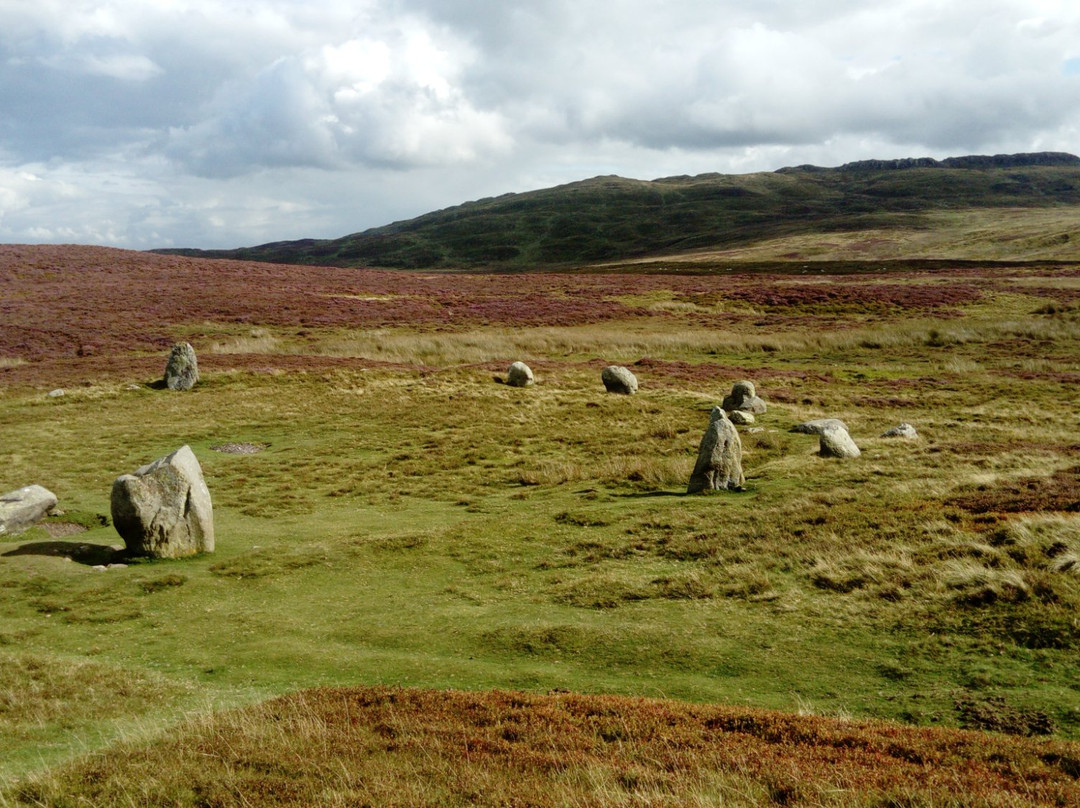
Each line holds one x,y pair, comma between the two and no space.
650,494
90,554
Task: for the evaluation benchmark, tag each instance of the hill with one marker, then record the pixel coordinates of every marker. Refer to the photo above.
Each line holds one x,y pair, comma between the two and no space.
613,219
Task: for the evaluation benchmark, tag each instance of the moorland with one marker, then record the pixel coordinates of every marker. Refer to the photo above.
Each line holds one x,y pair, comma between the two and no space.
431,588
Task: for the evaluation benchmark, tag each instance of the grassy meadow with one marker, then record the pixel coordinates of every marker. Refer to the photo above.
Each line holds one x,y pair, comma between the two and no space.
409,522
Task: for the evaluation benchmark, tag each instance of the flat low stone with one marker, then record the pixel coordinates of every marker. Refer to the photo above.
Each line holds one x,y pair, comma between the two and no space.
836,442
741,418
719,461
182,369
905,431
819,426
620,380
519,375
23,508
163,510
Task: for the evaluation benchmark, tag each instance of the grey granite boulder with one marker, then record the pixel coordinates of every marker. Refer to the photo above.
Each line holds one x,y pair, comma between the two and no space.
744,397
519,375
836,442
819,426
741,417
719,461
182,369
163,510
619,380
905,431
23,508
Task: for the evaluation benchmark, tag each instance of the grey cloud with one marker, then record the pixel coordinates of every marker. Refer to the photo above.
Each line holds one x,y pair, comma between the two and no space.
150,109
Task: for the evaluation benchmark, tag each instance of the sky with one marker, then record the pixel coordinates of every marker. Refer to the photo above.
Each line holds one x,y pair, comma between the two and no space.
228,123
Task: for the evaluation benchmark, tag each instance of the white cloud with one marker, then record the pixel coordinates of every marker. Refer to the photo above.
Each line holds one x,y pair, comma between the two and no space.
392,100
321,117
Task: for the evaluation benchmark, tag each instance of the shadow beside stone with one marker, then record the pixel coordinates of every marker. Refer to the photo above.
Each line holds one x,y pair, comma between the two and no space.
90,554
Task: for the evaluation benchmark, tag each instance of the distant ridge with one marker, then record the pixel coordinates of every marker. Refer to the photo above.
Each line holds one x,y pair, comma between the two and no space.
611,218
1058,159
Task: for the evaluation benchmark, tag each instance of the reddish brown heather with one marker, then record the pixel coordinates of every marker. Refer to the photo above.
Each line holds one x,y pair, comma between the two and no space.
1058,492
58,301
859,294
383,746
69,300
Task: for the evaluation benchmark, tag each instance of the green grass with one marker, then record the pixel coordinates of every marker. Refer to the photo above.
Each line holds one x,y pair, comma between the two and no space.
427,527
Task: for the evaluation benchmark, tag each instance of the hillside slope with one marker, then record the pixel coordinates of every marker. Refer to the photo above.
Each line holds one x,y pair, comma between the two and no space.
607,219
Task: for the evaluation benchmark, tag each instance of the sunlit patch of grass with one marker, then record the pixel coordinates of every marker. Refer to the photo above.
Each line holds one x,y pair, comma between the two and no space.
258,340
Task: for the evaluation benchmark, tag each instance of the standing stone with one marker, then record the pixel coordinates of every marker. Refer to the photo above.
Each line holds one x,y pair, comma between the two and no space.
836,442
21,509
719,461
182,369
619,380
744,397
163,510
519,375
905,431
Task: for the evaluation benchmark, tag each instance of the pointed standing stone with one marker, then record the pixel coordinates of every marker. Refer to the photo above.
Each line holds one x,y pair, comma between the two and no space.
719,462
182,369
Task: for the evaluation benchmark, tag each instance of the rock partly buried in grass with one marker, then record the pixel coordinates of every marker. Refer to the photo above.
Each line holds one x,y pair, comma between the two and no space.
163,510
819,426
719,461
519,375
182,369
239,448
905,431
836,442
620,380
744,397
23,508
741,418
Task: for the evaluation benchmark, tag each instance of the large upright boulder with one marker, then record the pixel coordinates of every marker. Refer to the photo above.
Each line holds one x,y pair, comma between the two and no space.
834,441
182,369
24,507
618,379
163,510
519,375
743,397
719,461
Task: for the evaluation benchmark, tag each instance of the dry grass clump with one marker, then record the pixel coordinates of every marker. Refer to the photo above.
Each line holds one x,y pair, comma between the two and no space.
1058,492
395,747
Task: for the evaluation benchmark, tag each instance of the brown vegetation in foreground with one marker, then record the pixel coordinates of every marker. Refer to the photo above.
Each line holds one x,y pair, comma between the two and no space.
383,746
